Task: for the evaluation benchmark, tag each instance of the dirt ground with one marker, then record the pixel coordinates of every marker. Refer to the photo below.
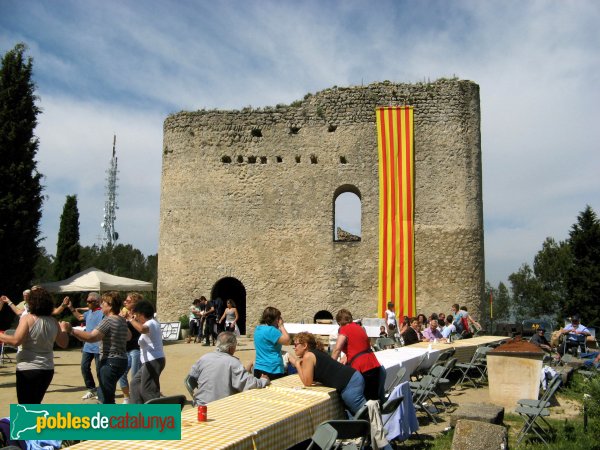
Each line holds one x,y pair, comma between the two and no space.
67,385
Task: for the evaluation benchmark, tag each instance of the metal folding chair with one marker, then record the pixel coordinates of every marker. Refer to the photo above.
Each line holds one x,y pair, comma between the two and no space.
531,410
190,384
169,400
323,438
389,388
351,430
4,356
478,363
385,343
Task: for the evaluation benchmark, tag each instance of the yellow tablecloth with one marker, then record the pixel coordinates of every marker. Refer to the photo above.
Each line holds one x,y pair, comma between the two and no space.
276,417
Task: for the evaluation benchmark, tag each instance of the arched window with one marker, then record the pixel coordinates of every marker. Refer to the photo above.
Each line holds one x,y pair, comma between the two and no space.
346,214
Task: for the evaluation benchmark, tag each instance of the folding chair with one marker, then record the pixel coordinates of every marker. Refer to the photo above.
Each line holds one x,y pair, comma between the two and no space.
4,356
324,437
531,410
351,430
444,384
169,400
385,343
575,341
423,391
190,384
478,362
389,388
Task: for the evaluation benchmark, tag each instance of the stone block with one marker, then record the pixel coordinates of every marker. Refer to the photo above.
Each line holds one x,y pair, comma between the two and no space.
475,435
477,411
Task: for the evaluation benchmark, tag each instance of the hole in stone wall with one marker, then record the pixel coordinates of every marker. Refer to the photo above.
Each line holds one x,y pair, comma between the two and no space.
297,159
343,160
263,159
279,159
240,159
313,159
225,159
256,132
251,159
323,316
294,130
332,128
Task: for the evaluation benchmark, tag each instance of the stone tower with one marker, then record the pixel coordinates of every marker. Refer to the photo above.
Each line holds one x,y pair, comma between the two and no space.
247,203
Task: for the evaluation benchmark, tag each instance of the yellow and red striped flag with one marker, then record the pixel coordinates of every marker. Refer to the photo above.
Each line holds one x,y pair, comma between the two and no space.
396,210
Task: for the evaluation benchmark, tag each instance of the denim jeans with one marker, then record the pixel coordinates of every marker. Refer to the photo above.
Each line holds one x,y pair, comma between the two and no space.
111,369
353,394
133,364
86,369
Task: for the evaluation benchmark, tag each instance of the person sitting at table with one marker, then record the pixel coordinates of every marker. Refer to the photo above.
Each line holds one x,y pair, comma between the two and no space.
412,335
422,321
354,342
219,374
269,336
432,333
449,329
540,340
314,365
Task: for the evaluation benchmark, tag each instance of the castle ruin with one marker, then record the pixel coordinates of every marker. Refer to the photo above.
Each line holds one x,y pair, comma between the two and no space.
247,203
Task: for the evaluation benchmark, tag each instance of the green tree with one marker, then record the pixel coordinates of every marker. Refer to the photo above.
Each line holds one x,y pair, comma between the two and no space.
583,282
20,186
67,248
526,294
551,266
44,268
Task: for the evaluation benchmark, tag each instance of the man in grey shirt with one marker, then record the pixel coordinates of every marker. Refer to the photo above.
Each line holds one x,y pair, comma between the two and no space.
220,374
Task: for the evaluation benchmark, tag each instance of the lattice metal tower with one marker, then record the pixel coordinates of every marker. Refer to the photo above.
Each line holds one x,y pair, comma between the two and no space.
110,204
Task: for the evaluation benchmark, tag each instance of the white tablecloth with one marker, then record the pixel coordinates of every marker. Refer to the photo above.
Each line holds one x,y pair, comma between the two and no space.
408,357
325,329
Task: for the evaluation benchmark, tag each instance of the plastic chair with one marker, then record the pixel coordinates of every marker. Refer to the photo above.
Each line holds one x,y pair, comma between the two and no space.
169,400
324,437
577,342
190,384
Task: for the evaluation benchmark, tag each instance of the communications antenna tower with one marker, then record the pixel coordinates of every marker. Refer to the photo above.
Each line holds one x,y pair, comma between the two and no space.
110,204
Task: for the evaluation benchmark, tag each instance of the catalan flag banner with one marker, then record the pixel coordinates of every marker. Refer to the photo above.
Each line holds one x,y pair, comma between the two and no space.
396,210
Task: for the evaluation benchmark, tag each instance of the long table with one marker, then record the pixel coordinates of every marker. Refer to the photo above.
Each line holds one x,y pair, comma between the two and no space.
277,417
465,348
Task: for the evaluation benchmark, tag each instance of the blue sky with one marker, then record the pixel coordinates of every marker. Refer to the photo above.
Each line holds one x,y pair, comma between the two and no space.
104,67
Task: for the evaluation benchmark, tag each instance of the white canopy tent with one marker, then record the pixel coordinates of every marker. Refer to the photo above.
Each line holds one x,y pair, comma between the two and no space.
93,279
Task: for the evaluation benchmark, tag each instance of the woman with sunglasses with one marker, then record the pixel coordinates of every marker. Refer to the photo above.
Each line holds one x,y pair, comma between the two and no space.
314,365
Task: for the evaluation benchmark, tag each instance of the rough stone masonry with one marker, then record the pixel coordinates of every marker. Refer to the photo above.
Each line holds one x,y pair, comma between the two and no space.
247,203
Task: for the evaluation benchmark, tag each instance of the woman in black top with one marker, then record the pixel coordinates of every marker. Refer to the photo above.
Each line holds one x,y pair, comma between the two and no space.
314,365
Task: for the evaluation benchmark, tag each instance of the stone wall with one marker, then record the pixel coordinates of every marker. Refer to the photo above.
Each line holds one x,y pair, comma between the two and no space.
248,196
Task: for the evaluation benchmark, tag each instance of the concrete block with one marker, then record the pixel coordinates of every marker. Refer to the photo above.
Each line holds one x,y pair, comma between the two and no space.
480,412
475,435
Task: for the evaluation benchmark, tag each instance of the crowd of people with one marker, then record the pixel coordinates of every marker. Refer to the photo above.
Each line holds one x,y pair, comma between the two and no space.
124,340
117,337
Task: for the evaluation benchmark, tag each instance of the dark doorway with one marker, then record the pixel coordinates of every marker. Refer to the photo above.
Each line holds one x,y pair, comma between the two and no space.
323,315
232,288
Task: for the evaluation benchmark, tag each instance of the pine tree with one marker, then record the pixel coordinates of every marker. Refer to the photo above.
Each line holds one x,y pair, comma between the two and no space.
583,280
67,248
20,182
